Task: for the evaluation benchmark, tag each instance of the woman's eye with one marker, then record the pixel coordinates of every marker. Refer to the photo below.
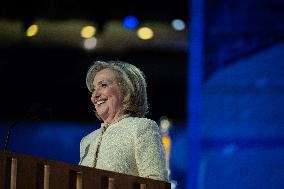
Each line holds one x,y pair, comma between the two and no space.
104,85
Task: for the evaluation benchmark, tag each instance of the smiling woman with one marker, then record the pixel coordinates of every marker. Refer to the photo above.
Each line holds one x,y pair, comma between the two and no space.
126,142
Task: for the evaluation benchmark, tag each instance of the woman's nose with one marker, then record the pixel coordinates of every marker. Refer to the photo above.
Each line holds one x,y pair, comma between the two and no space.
95,95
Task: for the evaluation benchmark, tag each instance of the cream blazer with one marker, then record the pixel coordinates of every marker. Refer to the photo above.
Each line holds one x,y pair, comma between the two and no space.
131,146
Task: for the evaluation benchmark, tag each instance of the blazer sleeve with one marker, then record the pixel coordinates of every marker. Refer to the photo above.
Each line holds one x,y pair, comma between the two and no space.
149,152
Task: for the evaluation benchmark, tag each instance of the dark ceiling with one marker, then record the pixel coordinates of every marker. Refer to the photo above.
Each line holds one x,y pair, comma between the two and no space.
94,10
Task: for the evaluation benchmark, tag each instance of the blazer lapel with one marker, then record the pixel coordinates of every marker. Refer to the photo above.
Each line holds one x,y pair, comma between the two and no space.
88,158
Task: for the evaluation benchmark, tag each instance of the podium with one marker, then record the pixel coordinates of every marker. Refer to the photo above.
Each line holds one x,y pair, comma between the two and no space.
18,171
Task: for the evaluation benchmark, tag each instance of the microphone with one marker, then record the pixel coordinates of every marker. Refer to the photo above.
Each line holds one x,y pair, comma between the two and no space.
34,113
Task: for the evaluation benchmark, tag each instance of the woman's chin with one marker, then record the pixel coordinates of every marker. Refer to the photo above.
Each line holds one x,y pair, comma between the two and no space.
102,115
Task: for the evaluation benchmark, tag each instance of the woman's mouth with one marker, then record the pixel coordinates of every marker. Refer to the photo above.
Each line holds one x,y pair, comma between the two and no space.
101,101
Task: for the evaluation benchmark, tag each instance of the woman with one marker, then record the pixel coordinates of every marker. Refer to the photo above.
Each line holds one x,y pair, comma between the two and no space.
126,142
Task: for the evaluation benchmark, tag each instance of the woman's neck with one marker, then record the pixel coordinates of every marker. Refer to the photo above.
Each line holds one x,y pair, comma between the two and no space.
114,119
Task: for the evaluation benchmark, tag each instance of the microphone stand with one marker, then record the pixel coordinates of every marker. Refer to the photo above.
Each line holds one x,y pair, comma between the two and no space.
8,136
35,112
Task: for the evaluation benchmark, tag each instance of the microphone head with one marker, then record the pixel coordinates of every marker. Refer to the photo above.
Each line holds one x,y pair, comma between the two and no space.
39,111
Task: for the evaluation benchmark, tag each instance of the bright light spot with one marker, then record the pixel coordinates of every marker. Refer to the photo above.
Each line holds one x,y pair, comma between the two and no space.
145,33
88,31
178,24
165,124
90,43
130,22
32,30
166,141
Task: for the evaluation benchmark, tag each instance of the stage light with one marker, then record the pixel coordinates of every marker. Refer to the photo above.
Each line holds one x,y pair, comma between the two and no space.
90,43
145,33
165,124
88,31
32,30
130,22
178,24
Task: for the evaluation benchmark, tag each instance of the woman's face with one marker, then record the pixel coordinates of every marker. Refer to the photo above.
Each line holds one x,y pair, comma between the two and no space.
107,96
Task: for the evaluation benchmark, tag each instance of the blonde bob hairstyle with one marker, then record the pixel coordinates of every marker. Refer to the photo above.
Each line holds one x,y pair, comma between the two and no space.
131,81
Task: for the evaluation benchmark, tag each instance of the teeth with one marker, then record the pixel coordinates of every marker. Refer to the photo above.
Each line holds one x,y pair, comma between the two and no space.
100,102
